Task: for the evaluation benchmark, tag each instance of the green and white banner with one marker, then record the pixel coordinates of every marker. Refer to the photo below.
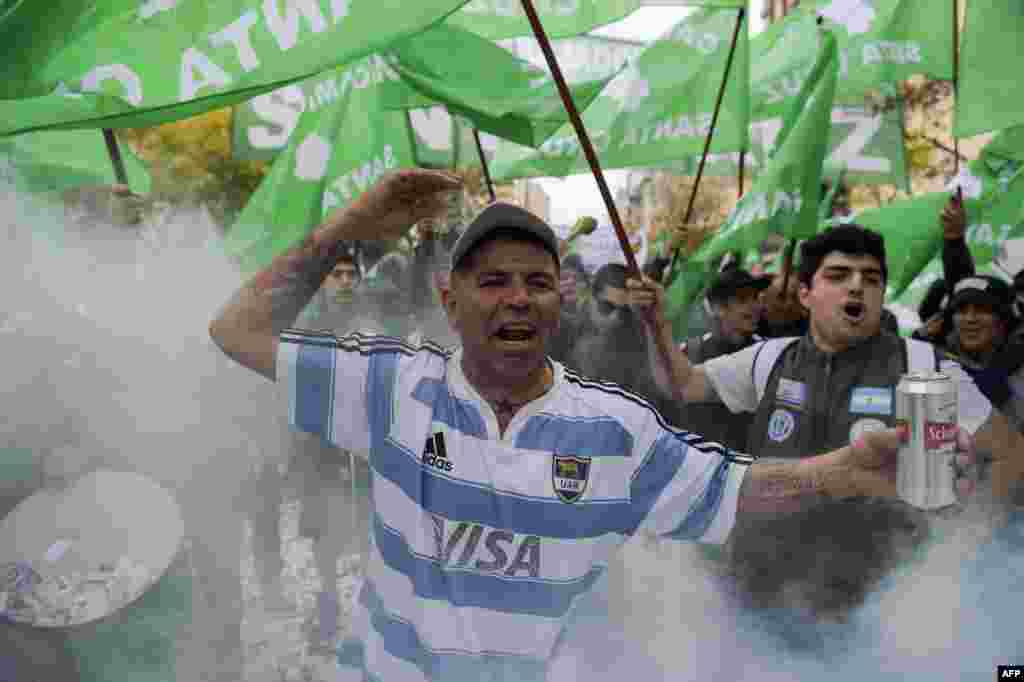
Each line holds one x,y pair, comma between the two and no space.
133,64
658,109
881,42
583,58
865,144
334,154
494,90
785,197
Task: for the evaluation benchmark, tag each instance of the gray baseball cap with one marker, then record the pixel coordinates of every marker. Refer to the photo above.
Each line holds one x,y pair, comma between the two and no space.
501,215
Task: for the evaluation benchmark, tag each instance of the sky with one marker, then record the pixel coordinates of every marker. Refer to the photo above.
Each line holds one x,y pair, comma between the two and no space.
578,195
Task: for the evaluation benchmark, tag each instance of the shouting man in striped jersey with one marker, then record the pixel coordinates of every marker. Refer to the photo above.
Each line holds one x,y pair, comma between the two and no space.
502,482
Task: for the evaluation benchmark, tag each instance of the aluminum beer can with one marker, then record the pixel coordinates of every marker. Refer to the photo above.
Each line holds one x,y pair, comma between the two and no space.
926,403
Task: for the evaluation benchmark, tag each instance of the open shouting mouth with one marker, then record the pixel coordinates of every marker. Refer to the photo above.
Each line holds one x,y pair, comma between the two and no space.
516,335
854,312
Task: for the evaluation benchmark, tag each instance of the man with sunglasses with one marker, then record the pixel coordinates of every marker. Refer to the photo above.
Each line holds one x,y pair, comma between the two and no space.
611,345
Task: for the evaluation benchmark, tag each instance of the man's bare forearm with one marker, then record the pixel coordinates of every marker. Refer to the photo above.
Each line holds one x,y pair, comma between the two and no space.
661,364
247,326
676,368
780,487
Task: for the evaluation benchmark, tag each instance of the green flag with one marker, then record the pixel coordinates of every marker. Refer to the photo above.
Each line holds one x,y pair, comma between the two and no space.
1008,144
864,143
500,19
658,109
53,161
262,126
912,234
136,63
993,192
335,153
688,283
486,84
581,58
880,42
991,63
785,197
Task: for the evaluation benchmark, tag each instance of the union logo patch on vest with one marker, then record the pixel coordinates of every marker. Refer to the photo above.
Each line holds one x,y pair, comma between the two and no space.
569,475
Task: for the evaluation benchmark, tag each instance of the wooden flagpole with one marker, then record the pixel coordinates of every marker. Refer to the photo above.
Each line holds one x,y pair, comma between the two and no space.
581,134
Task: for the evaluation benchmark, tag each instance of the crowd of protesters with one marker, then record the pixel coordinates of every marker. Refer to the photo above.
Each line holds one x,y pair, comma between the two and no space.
789,366
828,349
978,319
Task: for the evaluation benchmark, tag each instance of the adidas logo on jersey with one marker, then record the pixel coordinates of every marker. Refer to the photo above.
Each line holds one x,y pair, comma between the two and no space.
434,453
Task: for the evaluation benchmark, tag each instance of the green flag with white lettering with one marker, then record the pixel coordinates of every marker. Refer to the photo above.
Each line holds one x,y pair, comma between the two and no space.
991,64
136,63
881,42
494,90
866,144
335,153
53,161
262,126
866,141
785,197
658,109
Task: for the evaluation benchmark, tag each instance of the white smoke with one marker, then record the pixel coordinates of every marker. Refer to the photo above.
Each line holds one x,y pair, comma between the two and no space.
950,616
109,364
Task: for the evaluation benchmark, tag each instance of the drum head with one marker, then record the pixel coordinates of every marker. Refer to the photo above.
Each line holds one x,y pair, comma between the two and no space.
73,556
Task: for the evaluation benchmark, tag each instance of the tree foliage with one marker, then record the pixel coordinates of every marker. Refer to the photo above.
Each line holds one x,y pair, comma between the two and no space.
190,162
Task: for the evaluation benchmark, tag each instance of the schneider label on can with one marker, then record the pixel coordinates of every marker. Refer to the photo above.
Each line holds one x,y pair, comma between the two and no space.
926,403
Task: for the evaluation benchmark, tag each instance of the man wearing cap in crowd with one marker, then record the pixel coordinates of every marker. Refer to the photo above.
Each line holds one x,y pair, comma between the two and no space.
733,298
980,314
814,393
502,483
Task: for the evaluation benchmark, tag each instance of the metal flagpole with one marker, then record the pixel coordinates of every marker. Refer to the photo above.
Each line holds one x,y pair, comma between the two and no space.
581,134
115,156
714,121
483,164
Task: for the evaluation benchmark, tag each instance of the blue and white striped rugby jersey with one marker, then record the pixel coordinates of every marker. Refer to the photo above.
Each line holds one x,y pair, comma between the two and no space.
482,544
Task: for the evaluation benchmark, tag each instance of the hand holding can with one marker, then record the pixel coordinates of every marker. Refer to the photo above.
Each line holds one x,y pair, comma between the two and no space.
935,461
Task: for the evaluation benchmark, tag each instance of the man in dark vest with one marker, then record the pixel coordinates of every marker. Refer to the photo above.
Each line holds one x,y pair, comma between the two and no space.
810,394
735,314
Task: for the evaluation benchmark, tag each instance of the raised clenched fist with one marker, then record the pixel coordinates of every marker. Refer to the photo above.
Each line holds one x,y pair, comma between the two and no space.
399,200
954,219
